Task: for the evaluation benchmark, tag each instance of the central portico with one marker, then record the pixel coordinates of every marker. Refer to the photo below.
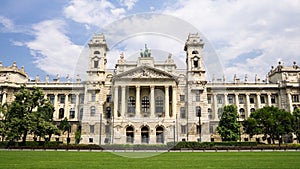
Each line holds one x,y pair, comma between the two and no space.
145,98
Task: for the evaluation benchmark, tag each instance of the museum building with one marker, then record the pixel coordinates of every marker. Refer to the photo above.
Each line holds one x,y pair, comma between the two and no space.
151,102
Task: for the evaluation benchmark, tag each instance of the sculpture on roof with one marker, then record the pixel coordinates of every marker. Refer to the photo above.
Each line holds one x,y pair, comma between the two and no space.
146,53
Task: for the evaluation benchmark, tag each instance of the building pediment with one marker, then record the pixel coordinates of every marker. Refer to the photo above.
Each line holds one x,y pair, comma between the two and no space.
145,72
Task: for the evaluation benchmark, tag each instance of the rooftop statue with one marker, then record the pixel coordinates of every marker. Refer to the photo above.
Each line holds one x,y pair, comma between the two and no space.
146,53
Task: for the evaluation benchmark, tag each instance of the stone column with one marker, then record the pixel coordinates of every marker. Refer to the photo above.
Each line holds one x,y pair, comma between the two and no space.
116,101
290,102
137,101
269,99
258,100
174,101
152,102
247,105
215,103
4,98
77,106
123,101
167,115
225,99
236,99
67,105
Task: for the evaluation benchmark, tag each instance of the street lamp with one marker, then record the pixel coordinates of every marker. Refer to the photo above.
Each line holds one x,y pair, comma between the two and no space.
174,132
199,115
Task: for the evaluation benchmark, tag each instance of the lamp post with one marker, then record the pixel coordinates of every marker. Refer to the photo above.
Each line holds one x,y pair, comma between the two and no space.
100,128
199,115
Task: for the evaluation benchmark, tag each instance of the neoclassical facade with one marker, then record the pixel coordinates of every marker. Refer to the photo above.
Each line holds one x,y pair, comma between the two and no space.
150,102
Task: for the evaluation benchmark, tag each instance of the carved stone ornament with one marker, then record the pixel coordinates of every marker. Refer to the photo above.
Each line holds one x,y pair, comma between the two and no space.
145,73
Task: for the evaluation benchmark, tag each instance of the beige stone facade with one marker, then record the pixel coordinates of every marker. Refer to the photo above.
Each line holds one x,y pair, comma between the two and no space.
150,102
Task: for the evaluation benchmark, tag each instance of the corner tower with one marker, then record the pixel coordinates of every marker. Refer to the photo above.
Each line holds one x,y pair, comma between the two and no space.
197,116
97,58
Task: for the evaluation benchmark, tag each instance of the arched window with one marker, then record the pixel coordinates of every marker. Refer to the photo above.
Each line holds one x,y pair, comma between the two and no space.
196,62
108,112
195,52
198,111
145,104
252,110
145,134
61,113
159,135
129,134
159,104
131,104
72,113
93,111
96,52
242,113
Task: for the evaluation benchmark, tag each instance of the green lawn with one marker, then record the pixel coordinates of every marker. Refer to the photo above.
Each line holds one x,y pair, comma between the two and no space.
174,160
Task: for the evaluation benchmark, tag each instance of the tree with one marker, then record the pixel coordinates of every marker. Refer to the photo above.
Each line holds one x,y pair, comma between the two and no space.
296,126
229,128
273,122
251,127
29,113
65,126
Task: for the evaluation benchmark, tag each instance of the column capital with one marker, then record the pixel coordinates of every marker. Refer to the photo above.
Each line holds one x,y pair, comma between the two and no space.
269,94
236,94
137,86
258,94
247,94
225,94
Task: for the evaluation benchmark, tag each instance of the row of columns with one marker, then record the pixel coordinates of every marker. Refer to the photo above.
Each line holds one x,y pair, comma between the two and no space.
66,103
247,103
138,99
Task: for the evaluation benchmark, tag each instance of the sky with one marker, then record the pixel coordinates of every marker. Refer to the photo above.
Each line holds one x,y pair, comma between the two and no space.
241,37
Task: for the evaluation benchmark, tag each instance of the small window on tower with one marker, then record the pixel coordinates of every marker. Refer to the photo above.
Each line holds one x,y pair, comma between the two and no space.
196,62
96,62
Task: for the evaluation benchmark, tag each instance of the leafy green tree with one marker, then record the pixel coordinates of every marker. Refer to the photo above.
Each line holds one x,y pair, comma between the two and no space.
251,127
29,113
64,126
296,124
229,128
273,122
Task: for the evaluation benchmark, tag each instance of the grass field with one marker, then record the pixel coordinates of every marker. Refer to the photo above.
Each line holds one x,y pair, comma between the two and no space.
174,160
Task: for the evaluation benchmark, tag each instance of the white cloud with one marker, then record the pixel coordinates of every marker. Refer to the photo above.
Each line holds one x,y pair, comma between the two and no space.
53,50
239,27
93,12
128,3
7,24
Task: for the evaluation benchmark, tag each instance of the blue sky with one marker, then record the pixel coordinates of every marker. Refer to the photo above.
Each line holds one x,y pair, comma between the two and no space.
248,37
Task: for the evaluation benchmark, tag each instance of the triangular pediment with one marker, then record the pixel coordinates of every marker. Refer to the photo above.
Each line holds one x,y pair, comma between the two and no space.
145,72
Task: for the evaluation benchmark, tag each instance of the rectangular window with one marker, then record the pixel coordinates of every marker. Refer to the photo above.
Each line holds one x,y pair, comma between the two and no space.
197,96
91,140
183,129
81,99
62,99
209,99
92,127
262,100
230,100
51,98
295,98
108,99
93,96
96,63
273,99
182,112
241,99
73,99
182,98
220,100
252,100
